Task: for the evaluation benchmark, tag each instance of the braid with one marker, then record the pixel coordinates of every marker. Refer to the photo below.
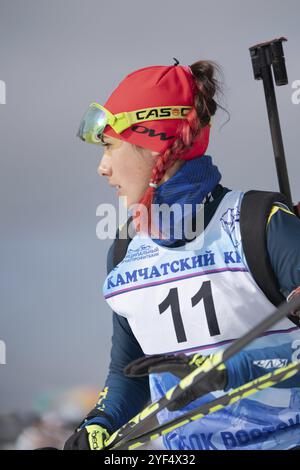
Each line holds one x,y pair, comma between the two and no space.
205,86
187,131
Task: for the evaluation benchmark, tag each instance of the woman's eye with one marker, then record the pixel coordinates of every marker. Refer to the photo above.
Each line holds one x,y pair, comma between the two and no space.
105,145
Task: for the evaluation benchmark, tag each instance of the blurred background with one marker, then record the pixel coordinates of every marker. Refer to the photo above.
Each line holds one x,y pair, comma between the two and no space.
55,58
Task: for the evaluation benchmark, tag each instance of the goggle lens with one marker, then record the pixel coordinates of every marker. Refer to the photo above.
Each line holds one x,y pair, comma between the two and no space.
92,125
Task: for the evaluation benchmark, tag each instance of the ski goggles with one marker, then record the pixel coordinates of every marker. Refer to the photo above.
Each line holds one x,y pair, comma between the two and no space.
97,118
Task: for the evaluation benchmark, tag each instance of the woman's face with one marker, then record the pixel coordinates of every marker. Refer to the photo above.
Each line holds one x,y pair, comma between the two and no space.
125,167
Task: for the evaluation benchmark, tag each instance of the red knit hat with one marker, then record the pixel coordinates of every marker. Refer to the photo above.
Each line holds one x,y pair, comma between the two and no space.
156,86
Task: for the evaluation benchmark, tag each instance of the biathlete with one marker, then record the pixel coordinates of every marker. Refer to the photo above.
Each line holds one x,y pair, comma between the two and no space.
177,300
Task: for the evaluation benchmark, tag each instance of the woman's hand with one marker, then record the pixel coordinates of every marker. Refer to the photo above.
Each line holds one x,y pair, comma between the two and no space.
180,365
91,437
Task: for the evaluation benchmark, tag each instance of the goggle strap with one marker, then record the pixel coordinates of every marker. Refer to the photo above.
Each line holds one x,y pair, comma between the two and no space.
126,119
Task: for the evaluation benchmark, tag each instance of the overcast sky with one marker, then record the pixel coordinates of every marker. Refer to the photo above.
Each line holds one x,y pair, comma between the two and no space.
55,58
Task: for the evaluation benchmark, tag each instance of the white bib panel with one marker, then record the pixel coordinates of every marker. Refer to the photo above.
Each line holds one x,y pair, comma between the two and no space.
193,297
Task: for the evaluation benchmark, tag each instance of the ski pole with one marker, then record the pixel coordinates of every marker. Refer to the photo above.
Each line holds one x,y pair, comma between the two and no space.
244,391
266,57
268,380
136,425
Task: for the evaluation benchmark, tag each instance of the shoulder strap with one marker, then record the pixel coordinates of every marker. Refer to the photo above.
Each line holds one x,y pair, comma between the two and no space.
255,210
121,244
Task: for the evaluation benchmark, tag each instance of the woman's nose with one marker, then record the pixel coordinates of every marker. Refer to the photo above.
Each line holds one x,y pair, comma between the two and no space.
104,169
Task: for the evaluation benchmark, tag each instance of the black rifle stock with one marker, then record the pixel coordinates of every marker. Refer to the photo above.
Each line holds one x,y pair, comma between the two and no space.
266,57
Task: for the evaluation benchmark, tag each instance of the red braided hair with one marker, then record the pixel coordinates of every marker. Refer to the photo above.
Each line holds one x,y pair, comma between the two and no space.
188,130
205,86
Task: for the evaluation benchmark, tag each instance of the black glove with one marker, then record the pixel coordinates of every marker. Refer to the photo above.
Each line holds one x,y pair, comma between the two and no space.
180,365
91,437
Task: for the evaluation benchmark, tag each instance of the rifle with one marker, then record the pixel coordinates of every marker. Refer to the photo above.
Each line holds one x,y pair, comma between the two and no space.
265,57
